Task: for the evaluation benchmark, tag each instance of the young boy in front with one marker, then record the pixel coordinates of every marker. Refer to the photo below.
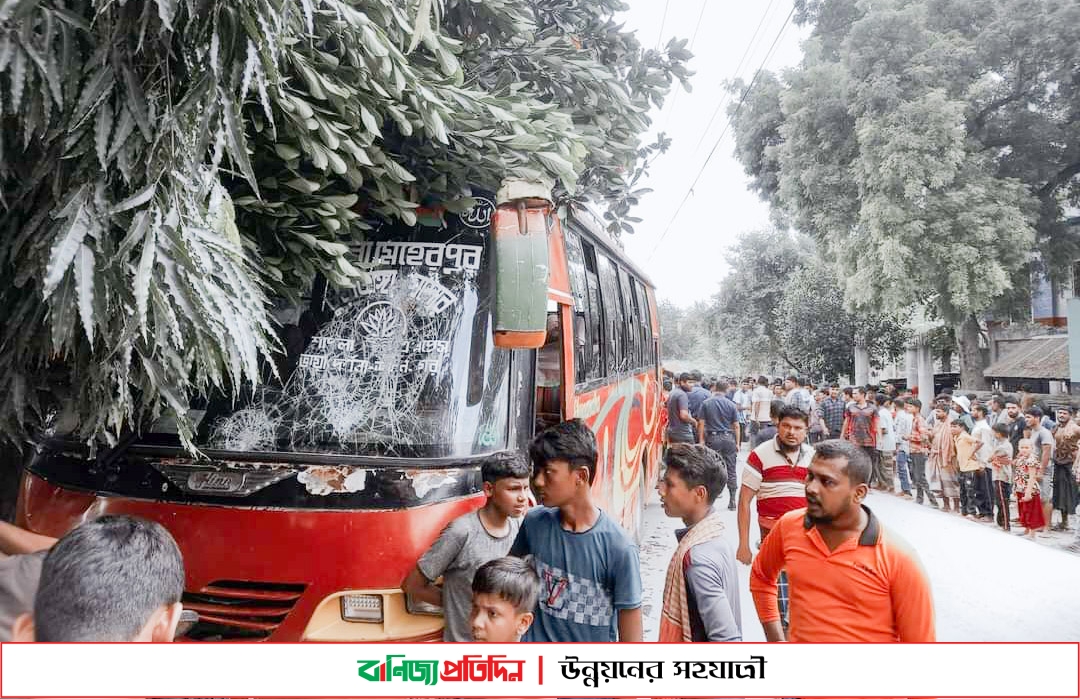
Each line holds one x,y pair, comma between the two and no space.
505,592
1001,464
701,590
590,580
470,541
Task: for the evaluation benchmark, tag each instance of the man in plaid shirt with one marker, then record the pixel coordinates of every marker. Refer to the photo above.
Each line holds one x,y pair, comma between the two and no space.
919,449
832,411
797,395
861,427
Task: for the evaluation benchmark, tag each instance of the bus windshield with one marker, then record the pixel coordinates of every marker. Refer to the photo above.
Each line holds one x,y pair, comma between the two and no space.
403,364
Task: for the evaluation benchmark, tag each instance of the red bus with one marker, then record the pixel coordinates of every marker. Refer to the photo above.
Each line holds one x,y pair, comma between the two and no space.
312,499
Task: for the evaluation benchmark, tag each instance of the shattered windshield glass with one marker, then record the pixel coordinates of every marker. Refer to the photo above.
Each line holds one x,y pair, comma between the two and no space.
403,364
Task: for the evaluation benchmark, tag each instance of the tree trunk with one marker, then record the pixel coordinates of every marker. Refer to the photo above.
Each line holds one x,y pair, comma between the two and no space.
972,364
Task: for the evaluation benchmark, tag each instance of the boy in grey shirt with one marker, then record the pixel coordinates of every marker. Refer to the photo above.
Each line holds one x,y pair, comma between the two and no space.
470,541
701,590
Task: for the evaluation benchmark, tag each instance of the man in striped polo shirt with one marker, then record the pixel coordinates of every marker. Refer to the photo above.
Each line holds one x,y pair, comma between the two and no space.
775,474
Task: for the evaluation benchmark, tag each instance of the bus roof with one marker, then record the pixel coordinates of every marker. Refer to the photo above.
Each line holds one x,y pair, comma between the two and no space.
588,221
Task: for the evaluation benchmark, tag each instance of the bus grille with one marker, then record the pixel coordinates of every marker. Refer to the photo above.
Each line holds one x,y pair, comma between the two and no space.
234,610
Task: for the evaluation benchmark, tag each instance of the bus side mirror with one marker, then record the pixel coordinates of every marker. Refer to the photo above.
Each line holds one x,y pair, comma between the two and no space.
520,244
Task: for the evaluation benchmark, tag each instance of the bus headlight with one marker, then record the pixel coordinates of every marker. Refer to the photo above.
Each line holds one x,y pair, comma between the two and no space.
415,606
366,608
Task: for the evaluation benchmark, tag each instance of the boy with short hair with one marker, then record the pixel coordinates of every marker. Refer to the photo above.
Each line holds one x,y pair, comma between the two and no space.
589,572
701,589
918,451
965,465
470,541
505,591
1001,459
115,579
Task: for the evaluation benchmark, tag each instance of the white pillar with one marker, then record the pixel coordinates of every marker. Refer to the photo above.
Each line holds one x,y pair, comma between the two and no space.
862,364
926,375
911,366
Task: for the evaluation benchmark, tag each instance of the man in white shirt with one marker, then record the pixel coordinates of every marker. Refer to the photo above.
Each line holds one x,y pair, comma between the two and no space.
903,423
884,479
984,477
760,405
744,401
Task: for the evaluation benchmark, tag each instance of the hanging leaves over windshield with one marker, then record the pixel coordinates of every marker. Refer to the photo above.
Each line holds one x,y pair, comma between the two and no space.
168,167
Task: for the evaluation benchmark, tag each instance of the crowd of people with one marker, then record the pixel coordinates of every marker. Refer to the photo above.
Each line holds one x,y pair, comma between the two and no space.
560,571
810,511
565,571
1003,459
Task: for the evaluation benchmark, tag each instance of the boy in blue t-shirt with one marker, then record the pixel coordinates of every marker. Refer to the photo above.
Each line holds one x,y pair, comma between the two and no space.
590,579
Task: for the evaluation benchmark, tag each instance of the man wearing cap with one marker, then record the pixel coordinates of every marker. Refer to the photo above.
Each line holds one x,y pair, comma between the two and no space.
961,412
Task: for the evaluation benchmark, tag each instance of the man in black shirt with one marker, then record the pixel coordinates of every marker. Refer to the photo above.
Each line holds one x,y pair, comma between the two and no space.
718,428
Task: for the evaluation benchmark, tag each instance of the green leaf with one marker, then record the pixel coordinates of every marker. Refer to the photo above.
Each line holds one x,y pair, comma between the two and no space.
93,90
142,277
136,101
369,121
65,249
235,140
84,283
102,129
138,199
166,12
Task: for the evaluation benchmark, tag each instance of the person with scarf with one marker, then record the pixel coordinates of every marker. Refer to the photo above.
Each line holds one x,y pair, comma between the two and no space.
942,459
701,591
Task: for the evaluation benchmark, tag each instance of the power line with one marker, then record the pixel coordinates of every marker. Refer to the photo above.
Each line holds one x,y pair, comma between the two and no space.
663,21
738,108
678,85
738,70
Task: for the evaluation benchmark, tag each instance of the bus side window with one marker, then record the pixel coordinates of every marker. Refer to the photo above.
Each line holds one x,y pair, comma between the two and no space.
646,320
641,327
613,316
598,355
633,341
575,262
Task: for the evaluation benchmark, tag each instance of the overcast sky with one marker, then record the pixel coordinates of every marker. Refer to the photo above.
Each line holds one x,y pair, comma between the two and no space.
688,265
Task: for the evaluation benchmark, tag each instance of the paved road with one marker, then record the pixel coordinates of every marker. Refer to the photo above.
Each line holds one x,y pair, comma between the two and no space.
988,585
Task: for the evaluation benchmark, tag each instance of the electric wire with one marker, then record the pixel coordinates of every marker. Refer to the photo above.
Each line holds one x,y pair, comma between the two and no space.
663,21
678,85
725,99
738,108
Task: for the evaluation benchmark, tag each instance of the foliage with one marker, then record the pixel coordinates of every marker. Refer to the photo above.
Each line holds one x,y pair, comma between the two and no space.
743,311
817,333
688,343
574,54
677,330
169,167
928,145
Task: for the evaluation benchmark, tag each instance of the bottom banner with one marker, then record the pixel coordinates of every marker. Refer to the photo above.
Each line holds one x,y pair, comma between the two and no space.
540,670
